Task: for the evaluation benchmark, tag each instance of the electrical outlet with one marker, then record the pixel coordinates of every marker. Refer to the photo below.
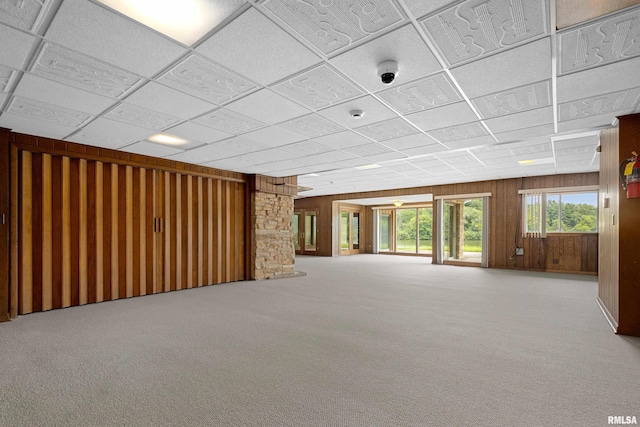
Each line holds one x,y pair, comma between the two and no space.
519,251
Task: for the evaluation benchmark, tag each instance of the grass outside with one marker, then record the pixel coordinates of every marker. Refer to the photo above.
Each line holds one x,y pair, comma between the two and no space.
427,245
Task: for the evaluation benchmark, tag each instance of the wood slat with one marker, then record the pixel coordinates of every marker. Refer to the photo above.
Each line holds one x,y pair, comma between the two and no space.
129,230
91,232
188,272
66,232
99,232
83,226
47,233
199,252
26,222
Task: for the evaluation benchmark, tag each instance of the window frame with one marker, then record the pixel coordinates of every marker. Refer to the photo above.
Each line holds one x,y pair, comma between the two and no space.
541,216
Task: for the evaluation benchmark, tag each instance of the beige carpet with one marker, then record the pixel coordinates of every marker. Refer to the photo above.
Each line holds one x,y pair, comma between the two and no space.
364,340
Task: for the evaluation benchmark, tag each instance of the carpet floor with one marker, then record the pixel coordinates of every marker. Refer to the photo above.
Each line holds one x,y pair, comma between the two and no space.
366,340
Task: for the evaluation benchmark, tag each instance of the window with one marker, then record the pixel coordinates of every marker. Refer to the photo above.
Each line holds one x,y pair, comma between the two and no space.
559,211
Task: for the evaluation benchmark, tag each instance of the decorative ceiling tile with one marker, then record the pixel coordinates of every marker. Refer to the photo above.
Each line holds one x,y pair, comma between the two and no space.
6,75
16,47
514,100
475,29
342,140
368,149
22,13
305,148
141,117
312,126
152,149
241,145
50,113
422,94
331,25
71,68
454,133
389,129
206,80
609,40
230,122
318,88
623,101
194,132
108,134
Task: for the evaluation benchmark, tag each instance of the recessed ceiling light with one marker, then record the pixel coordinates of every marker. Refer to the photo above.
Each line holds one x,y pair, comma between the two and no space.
185,21
536,161
368,167
311,174
165,138
525,162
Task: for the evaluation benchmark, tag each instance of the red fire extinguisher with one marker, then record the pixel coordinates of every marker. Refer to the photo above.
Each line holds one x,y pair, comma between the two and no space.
630,176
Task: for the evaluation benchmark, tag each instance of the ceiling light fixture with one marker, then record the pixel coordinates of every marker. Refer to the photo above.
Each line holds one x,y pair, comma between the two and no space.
526,162
185,21
165,138
356,114
398,203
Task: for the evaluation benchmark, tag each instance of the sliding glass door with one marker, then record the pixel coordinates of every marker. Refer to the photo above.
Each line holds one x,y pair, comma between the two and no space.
305,229
462,230
406,230
349,231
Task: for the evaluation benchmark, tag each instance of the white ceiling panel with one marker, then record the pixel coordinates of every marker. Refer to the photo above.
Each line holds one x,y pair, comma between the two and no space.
109,134
478,141
141,117
195,132
268,53
429,92
3,97
449,115
151,149
199,77
598,81
23,14
242,145
410,141
71,68
422,150
587,123
6,78
105,35
455,133
312,126
204,154
41,111
389,129
501,24
305,148
26,124
273,136
318,88
505,69
525,133
514,100
530,118
492,151
420,8
616,103
155,96
50,92
403,45
334,25
342,140
591,44
229,121
374,111
15,54
368,149
267,107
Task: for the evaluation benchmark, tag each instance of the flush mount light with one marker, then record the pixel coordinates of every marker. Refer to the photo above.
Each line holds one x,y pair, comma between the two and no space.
165,138
360,168
185,21
536,161
398,203
356,114
310,174
526,162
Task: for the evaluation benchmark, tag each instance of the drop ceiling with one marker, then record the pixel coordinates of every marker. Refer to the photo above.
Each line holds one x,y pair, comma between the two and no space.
486,89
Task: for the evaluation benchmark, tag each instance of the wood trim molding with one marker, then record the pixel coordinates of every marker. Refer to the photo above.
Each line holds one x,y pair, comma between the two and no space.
36,144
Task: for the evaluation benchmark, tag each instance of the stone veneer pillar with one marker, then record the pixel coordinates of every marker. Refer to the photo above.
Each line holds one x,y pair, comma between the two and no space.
272,248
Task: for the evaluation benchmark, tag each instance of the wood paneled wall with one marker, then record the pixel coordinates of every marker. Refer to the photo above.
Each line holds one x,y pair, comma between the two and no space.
623,236
608,226
91,231
5,223
576,254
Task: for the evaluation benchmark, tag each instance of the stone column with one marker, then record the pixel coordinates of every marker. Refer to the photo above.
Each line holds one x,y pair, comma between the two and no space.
271,223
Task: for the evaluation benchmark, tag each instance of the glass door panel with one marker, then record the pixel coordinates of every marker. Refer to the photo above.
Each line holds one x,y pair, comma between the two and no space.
463,230
384,231
345,232
355,222
310,229
296,231
425,230
406,230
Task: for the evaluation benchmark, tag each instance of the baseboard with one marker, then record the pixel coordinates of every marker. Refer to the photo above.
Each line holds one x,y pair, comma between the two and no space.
612,322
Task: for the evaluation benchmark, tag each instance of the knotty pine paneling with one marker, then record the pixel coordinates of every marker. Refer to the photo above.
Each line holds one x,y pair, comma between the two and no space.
92,231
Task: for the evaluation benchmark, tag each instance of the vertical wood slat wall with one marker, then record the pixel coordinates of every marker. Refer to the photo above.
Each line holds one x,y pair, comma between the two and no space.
92,231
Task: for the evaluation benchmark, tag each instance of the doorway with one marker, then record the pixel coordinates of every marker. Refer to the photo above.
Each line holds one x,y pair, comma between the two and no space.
350,231
462,230
305,231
